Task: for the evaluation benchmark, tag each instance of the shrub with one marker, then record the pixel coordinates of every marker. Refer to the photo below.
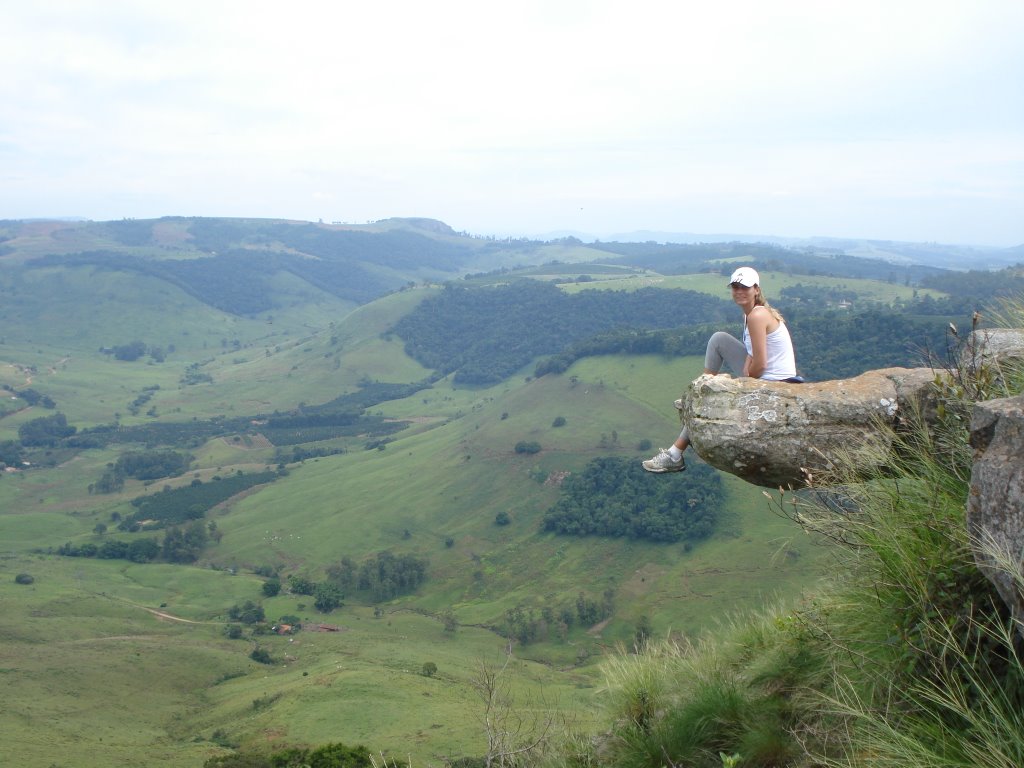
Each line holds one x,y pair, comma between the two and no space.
299,585
24,578
261,655
524,446
246,613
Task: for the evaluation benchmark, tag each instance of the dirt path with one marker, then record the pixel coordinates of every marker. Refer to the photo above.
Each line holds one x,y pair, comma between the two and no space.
169,617
162,615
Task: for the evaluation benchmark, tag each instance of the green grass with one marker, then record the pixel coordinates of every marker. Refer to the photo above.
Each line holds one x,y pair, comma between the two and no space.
364,501
364,684
97,674
94,678
447,475
773,282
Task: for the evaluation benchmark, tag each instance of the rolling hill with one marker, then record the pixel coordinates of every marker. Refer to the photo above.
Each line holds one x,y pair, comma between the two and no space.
114,661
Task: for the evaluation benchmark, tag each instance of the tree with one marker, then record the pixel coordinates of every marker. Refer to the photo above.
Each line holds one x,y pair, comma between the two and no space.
271,587
611,497
326,597
247,613
143,550
386,576
527,447
449,621
429,669
11,453
131,351
511,733
150,465
45,431
185,546
299,585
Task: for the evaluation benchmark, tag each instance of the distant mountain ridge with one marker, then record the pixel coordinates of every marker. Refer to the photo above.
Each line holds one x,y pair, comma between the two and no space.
945,255
956,256
227,263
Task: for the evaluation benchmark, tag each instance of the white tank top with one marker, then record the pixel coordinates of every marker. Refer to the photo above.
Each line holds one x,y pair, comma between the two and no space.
781,362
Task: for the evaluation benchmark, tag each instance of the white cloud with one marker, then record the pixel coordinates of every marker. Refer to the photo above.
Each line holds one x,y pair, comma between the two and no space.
650,115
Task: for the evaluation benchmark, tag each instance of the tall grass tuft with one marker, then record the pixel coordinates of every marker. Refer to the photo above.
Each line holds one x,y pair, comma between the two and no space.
736,693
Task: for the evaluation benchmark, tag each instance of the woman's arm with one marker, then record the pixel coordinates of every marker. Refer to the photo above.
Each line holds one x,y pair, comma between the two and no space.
757,326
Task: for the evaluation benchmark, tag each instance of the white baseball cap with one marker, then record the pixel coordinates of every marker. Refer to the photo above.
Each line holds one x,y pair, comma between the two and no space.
745,276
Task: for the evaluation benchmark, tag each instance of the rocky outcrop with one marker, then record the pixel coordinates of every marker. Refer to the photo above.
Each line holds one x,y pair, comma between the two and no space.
997,346
995,507
773,434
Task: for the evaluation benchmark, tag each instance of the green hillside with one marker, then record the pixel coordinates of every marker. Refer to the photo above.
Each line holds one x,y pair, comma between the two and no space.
433,492
348,448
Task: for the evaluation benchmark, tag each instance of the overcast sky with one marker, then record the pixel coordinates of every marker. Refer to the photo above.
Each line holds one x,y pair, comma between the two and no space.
887,119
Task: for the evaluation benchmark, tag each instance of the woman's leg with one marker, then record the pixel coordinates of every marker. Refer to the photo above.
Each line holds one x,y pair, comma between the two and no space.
670,459
724,350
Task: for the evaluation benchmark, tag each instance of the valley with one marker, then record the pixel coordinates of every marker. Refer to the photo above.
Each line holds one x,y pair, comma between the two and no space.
109,661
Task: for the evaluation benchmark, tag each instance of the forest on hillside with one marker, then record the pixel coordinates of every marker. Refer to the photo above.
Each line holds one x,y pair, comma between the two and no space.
483,335
681,259
615,497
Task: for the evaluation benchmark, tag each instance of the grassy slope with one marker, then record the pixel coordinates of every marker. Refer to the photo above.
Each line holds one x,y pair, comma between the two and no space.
277,364
446,476
713,284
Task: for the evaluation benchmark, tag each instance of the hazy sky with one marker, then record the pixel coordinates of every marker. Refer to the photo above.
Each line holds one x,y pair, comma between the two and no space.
888,119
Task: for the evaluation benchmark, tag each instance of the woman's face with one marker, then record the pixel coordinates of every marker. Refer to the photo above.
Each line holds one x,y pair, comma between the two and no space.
742,295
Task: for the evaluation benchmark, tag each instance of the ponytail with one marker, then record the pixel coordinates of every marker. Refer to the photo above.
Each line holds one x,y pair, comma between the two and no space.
760,301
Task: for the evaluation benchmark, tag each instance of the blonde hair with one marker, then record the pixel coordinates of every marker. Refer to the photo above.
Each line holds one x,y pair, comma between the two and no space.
761,301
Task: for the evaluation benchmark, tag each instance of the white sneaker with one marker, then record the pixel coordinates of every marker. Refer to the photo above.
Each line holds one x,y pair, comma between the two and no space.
664,462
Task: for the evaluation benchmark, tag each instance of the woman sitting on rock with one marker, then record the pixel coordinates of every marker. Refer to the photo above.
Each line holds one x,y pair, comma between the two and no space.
766,352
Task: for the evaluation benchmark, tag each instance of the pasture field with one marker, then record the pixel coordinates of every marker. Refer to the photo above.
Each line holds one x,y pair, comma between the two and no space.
364,684
114,664
714,285
99,677
59,344
93,679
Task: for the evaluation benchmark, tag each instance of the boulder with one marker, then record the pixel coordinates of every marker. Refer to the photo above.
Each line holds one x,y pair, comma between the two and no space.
775,434
997,345
995,506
